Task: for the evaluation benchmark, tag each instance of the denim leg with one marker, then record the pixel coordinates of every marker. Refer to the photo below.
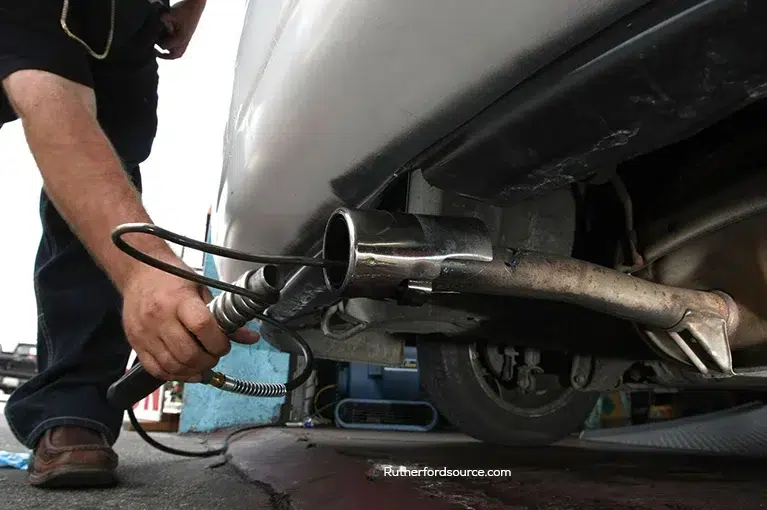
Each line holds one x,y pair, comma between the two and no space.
81,344
82,348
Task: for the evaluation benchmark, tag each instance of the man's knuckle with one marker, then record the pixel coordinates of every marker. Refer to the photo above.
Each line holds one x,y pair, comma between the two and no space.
188,356
135,328
201,323
153,309
169,364
153,368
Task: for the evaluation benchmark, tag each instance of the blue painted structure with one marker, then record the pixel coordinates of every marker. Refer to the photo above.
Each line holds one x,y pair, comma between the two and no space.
384,398
364,381
206,409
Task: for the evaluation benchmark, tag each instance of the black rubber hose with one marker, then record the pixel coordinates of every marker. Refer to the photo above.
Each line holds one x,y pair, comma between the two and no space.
138,381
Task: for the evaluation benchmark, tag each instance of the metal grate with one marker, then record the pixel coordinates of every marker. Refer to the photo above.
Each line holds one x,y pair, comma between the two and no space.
738,431
386,414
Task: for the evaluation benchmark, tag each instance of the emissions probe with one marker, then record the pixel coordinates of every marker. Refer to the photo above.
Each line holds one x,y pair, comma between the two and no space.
238,304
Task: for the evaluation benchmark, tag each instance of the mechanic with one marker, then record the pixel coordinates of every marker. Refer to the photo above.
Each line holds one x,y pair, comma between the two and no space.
83,78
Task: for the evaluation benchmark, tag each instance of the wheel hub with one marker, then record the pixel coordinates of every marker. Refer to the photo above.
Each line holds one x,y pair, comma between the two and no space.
516,377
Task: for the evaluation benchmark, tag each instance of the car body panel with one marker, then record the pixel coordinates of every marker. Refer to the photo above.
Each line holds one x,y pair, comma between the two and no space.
637,86
332,99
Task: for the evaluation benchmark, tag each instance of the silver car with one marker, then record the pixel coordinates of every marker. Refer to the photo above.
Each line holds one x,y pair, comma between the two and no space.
549,198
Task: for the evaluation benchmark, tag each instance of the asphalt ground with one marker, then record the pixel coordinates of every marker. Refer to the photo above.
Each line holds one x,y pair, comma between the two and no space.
150,480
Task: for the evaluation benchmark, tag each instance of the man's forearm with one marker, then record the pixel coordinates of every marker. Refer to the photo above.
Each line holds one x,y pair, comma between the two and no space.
85,180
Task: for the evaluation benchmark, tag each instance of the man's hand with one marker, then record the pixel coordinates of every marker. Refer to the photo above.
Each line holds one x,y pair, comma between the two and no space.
170,327
180,24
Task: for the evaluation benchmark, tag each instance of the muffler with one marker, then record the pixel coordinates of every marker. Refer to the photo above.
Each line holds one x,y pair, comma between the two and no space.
410,257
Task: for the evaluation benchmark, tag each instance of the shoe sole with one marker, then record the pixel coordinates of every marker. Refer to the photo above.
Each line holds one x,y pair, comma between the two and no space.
68,478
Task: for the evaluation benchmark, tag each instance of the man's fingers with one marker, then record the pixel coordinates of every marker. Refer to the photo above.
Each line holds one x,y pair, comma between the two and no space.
205,294
152,366
170,362
169,369
170,24
245,336
186,350
196,318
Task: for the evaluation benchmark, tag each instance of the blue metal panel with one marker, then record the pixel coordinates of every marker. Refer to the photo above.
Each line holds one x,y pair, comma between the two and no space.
206,409
365,381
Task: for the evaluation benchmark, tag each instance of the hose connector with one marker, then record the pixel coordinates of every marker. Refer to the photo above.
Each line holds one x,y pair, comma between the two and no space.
233,311
244,387
213,378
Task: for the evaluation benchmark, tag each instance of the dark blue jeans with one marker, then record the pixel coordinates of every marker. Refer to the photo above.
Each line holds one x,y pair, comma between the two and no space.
81,344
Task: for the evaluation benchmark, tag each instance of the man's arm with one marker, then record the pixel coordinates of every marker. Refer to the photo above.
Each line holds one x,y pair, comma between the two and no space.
85,180
80,169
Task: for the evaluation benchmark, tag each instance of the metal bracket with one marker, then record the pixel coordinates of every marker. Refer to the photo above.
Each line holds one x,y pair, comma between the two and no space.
581,371
700,339
416,292
588,373
355,326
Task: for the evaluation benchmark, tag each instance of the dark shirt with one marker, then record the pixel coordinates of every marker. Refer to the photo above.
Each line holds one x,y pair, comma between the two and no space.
91,19
31,37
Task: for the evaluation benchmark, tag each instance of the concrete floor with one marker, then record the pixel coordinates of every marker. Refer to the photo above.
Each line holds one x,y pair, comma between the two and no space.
151,480
333,469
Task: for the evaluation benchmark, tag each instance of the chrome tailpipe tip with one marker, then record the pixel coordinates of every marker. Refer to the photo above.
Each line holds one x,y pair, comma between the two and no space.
380,251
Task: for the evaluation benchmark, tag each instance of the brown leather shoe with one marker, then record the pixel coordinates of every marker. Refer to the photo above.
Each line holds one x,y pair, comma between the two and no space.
72,457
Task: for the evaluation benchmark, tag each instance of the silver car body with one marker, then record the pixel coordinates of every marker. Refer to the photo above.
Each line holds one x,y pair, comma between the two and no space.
333,98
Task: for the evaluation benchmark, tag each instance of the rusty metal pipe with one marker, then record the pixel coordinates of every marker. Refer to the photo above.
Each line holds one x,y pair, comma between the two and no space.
410,257
540,276
386,252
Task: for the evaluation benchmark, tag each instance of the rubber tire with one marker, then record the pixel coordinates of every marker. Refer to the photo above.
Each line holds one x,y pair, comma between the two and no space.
449,379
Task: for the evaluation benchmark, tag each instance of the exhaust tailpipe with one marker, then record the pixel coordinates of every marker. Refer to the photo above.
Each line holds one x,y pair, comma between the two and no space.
382,251
387,255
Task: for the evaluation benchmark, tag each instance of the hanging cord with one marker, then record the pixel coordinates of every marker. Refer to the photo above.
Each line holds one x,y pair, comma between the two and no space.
168,236
317,395
210,249
221,450
110,37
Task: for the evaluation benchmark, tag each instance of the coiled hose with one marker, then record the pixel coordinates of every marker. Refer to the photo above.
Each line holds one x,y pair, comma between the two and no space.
237,305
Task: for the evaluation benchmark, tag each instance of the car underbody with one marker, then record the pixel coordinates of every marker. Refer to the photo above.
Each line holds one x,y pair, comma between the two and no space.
597,225
612,282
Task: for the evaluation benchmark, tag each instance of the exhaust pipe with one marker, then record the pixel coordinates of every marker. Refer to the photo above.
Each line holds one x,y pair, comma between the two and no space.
396,255
382,251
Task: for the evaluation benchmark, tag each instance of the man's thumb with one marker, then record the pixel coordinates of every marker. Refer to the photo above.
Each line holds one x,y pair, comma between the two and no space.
245,336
